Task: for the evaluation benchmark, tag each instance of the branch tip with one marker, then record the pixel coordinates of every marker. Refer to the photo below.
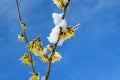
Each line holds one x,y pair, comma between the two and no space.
76,27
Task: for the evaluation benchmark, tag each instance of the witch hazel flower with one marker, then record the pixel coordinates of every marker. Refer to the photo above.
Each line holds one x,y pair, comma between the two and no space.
21,37
26,59
35,76
56,56
60,3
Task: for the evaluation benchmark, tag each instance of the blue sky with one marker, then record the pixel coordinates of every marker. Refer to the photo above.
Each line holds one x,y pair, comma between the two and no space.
93,54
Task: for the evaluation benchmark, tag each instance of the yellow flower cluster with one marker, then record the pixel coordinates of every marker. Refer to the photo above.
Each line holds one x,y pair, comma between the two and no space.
23,25
35,76
50,47
44,57
21,37
55,57
68,33
26,59
35,46
60,3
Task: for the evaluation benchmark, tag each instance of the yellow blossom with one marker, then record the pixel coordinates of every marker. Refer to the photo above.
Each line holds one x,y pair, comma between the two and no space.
59,3
37,41
23,25
35,46
26,59
55,57
50,47
44,58
37,50
63,35
31,45
35,76
68,33
21,37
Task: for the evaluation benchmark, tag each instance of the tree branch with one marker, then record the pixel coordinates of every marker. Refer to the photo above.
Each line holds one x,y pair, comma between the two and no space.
50,59
31,60
26,39
19,16
65,9
55,45
76,27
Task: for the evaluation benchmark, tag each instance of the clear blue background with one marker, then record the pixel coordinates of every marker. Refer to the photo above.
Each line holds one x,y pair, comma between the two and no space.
93,54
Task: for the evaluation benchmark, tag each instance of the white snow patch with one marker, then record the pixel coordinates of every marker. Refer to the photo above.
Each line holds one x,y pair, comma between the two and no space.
57,17
54,34
59,22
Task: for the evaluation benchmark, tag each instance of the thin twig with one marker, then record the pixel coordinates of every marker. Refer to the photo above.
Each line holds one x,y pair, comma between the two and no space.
76,27
48,69
50,59
19,16
31,60
65,9
55,45
26,39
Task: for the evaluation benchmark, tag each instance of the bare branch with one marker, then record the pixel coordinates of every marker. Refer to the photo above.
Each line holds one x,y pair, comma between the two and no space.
55,45
76,27
65,9
19,16
26,39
